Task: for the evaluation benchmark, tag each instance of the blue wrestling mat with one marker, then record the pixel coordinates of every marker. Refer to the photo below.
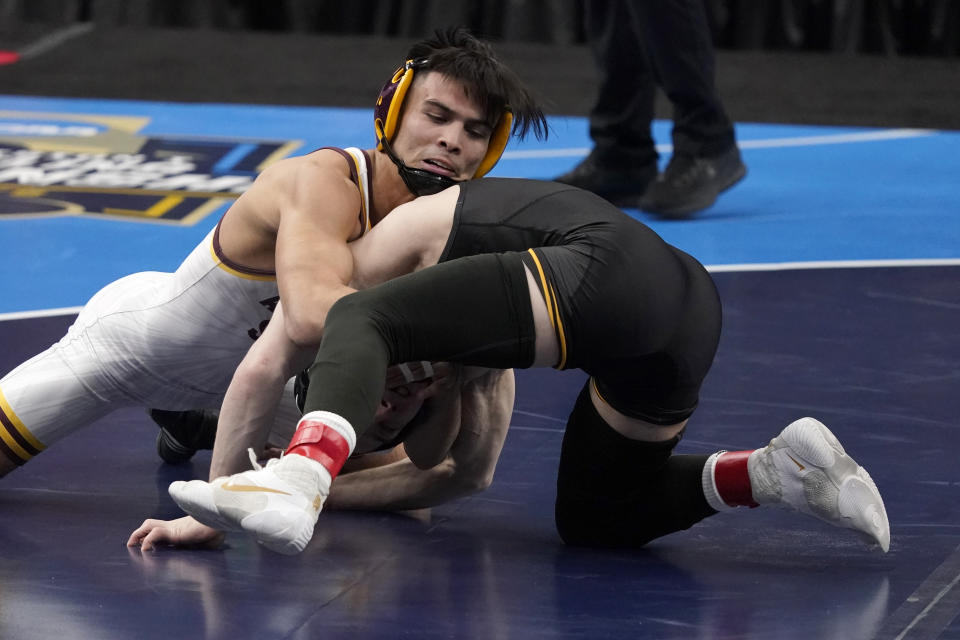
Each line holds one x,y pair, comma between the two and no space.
838,261
80,178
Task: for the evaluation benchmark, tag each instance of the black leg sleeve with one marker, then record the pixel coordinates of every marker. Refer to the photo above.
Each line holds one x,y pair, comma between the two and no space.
616,492
474,310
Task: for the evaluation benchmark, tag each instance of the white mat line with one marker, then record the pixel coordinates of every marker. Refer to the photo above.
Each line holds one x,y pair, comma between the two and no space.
40,313
834,264
717,268
770,143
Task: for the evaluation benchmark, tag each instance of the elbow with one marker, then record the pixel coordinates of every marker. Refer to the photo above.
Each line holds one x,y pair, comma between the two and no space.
305,316
479,485
259,372
483,482
304,329
472,481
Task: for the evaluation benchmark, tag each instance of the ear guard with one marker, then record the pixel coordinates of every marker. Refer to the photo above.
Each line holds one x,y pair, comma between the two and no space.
498,142
386,116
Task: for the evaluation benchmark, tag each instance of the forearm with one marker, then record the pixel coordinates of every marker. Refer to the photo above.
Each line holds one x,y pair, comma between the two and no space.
486,406
399,486
246,416
250,404
435,428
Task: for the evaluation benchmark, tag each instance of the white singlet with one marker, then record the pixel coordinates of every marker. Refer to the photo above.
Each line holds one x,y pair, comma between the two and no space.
158,340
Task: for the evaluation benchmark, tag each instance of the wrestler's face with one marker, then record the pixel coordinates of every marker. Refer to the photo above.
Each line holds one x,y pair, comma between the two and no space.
441,129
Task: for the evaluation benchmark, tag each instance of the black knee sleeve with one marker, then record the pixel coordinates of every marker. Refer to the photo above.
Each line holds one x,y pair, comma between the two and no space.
613,491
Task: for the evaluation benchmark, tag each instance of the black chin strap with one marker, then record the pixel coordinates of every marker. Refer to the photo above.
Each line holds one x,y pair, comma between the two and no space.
420,181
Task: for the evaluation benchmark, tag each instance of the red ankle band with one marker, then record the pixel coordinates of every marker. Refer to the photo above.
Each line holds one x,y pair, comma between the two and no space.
317,441
733,480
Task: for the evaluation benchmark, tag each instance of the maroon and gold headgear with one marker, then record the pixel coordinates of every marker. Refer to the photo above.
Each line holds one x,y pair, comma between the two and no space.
386,115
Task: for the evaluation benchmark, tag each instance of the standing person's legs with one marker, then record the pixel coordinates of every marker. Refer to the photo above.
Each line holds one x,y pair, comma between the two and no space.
677,40
623,160
705,159
624,109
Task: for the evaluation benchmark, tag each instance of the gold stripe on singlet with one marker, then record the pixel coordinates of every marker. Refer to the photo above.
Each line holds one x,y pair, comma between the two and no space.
248,273
15,439
558,327
553,309
364,214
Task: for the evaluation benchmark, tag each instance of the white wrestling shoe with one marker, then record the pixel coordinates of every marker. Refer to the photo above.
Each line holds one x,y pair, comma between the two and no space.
806,468
278,503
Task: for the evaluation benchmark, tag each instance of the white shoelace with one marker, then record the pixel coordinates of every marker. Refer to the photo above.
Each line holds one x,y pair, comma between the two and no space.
256,463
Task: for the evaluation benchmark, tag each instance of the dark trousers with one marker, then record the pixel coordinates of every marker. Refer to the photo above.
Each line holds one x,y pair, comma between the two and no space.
640,45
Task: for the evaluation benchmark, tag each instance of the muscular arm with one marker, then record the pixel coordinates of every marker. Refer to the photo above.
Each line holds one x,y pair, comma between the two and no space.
485,406
245,421
315,206
412,237
319,208
251,402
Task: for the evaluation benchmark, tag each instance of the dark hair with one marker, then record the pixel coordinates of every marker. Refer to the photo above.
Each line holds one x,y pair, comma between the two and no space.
455,52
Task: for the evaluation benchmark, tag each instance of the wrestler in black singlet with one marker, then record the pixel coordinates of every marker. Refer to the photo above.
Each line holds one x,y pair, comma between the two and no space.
641,317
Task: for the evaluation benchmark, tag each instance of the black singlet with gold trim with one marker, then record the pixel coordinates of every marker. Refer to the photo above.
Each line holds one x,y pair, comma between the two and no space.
639,315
